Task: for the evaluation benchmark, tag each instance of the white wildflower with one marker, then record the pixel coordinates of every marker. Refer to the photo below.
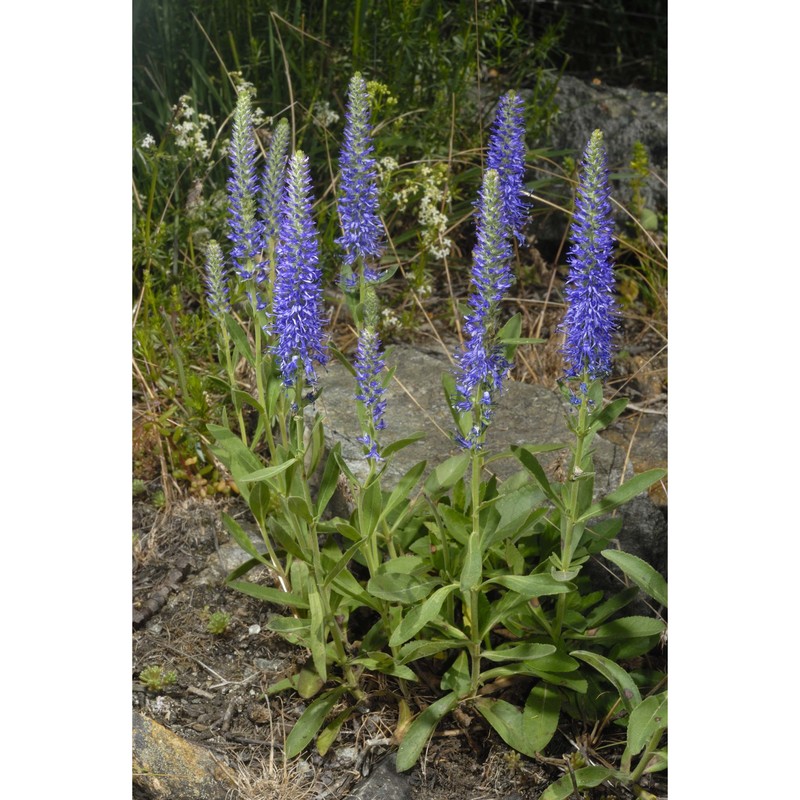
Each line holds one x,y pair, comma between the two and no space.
323,115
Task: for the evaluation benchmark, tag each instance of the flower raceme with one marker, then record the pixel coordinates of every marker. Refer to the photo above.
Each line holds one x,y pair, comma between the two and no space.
297,312
273,180
246,231
507,156
216,283
589,321
481,362
362,230
368,365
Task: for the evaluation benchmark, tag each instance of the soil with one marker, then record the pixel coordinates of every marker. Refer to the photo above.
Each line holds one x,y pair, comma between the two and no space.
218,698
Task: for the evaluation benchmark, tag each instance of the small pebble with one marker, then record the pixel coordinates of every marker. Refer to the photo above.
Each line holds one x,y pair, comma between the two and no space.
254,629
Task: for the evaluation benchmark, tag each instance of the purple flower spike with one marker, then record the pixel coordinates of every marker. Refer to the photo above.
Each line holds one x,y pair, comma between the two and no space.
369,365
246,232
482,363
507,156
298,321
274,179
216,284
589,321
362,230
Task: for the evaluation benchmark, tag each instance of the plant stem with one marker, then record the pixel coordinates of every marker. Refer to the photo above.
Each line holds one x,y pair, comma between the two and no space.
567,546
645,759
475,629
232,381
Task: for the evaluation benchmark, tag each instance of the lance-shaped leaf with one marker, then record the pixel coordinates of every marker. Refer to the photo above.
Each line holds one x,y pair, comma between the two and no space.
641,573
628,490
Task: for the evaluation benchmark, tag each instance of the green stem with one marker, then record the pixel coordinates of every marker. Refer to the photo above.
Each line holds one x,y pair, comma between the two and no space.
475,630
232,381
644,760
572,508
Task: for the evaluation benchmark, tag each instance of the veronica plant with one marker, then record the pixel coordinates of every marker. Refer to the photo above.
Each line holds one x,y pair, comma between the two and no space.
272,184
218,298
507,157
362,229
486,574
583,523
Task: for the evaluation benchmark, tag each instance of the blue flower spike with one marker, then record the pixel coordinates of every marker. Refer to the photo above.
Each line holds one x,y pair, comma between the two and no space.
359,211
298,322
591,307
481,363
507,156
246,231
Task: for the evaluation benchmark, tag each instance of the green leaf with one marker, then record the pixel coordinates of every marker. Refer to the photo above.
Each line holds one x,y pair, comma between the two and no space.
376,661
585,778
311,721
328,482
605,416
641,573
628,691
234,454
404,486
318,633
394,447
528,730
333,572
266,473
400,588
411,651
422,729
540,715
292,629
307,683
531,463
241,538
528,586
300,507
473,562
647,718
240,339
268,594
419,616
457,677
520,652
625,628
447,474
610,607
369,507
260,503
331,731
628,490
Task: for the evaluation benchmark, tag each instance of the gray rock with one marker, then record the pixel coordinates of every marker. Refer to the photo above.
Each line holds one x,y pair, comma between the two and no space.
383,783
625,116
526,414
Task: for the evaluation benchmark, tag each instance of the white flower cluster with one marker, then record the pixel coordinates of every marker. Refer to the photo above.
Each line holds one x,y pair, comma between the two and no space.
389,320
386,166
147,142
323,115
435,198
188,128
